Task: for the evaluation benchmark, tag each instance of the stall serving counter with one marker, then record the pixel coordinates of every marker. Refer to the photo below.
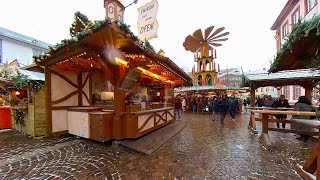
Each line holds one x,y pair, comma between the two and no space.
97,123
139,123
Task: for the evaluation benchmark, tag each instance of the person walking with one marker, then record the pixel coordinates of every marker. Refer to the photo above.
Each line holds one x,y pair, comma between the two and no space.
281,102
184,104
194,104
223,108
245,103
215,108
178,108
233,104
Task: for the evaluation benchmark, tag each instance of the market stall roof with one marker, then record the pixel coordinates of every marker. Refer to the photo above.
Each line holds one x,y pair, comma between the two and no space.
36,76
301,48
209,88
85,50
282,78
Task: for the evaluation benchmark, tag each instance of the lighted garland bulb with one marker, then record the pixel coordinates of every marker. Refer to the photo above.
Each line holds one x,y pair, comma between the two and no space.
89,31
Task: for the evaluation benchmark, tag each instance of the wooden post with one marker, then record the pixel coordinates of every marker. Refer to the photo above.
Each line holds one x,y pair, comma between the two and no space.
264,138
253,96
308,91
166,94
48,100
119,105
80,89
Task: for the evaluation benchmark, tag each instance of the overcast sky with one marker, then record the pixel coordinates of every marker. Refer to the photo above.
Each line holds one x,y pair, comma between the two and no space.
251,43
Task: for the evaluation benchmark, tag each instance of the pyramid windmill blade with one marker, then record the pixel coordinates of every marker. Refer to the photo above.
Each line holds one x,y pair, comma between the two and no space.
190,40
198,34
215,44
207,32
219,36
216,40
216,32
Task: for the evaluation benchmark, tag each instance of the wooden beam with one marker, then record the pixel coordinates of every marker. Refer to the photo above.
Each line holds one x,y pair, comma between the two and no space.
65,97
64,55
63,77
48,77
80,103
90,89
311,163
304,174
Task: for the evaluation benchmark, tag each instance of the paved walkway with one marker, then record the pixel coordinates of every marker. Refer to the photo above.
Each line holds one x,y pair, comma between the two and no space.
202,150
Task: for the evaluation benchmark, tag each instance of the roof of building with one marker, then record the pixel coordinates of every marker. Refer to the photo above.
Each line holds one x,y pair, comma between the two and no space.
31,75
284,13
23,38
291,74
230,71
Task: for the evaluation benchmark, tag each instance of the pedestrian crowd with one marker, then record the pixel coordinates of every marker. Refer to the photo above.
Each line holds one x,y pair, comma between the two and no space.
220,106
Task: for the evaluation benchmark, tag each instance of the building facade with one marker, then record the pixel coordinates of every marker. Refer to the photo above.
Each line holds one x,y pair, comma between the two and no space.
231,77
15,46
292,13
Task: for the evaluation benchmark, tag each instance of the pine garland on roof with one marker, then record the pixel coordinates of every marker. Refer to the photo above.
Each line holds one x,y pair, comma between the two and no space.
302,29
83,27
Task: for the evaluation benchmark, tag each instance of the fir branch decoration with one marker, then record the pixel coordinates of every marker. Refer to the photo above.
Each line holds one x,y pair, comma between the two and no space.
301,29
19,116
149,46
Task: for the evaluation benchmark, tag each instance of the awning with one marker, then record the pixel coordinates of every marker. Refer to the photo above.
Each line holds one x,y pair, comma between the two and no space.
208,88
36,76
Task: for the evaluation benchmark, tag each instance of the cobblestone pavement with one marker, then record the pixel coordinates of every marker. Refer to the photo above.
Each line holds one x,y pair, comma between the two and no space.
202,150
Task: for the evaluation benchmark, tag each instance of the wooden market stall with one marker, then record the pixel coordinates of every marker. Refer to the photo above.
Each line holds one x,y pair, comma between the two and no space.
290,67
22,104
104,83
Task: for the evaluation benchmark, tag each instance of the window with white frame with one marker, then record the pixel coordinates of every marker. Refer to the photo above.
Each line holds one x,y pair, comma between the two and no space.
285,30
297,91
296,16
311,4
267,89
287,92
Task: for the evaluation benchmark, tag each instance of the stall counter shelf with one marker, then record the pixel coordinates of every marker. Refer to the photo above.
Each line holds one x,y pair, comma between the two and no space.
78,120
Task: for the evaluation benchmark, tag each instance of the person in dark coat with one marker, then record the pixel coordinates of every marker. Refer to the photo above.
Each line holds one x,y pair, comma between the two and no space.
215,108
194,105
245,103
303,104
280,103
178,108
233,104
223,108
260,102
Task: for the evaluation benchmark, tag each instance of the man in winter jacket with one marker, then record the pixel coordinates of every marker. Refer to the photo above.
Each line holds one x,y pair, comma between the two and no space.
223,108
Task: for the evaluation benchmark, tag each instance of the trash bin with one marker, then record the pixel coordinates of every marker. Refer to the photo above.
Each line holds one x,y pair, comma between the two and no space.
5,118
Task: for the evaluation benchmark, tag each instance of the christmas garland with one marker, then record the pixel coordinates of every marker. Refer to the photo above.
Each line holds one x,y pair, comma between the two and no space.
300,30
18,116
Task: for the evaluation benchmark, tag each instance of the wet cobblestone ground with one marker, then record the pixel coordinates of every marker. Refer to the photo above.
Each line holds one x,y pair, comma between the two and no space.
202,150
